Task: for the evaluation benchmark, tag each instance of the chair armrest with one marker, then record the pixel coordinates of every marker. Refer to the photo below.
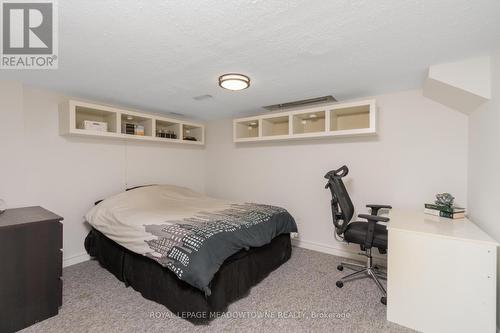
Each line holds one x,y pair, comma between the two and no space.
379,206
370,230
374,218
376,208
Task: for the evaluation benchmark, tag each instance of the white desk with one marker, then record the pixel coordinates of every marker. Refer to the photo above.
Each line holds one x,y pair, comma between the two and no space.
441,274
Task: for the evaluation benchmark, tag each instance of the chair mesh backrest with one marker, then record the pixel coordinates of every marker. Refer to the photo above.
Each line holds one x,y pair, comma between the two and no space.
342,207
343,199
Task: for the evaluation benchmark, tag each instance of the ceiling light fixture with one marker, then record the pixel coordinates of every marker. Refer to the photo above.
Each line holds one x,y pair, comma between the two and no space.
233,81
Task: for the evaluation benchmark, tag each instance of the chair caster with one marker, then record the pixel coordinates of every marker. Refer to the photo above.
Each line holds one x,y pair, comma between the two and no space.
339,284
340,267
383,300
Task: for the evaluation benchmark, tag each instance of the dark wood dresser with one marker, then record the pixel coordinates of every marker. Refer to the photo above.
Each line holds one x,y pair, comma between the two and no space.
30,267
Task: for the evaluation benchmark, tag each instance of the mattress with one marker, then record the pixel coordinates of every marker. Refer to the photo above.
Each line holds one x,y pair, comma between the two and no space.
187,232
233,280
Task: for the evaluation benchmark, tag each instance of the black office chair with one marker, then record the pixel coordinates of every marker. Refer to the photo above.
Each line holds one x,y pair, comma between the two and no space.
367,234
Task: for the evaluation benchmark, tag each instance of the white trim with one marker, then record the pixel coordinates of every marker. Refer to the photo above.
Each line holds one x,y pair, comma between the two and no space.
336,251
75,259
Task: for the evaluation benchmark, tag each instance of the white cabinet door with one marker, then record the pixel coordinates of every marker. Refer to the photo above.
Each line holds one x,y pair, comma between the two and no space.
441,284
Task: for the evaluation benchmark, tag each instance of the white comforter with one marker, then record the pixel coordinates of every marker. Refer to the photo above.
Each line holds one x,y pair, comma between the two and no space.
123,217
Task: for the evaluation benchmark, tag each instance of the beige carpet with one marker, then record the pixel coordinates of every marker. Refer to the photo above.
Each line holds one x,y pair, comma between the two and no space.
300,296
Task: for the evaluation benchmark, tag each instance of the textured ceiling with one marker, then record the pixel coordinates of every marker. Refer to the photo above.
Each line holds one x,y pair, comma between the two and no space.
158,55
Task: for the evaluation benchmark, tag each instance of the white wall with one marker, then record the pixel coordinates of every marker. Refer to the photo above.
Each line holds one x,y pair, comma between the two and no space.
471,75
421,150
67,174
484,165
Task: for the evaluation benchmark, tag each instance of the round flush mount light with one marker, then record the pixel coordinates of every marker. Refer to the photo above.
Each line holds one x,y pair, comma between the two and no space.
233,81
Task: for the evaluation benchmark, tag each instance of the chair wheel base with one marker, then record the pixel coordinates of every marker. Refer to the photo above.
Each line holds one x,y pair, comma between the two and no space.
383,300
340,267
339,284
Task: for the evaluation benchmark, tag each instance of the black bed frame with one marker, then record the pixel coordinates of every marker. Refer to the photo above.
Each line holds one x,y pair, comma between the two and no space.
237,275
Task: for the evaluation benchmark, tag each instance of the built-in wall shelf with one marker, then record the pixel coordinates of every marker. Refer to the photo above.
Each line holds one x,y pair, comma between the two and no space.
327,120
110,122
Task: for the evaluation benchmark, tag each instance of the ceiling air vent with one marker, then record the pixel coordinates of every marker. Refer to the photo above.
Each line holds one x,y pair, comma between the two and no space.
176,114
202,97
302,103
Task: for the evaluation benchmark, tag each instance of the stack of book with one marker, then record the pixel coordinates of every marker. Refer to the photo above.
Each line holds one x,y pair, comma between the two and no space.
445,211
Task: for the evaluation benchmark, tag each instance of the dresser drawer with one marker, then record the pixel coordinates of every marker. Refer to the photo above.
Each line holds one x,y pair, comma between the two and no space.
58,234
59,290
59,263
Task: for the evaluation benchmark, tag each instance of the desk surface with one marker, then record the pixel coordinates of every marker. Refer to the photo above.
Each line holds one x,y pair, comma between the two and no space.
463,229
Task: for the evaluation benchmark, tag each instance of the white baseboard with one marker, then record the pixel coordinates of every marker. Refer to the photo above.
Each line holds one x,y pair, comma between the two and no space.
75,259
336,251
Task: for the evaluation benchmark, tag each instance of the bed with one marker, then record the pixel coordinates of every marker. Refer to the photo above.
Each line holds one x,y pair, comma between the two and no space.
192,253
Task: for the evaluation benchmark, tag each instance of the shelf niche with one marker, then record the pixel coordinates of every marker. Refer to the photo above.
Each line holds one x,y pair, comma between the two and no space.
275,126
84,113
350,118
134,120
167,130
246,129
191,132
311,122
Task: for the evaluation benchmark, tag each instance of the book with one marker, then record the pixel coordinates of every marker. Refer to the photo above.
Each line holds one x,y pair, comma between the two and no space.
129,128
445,208
441,213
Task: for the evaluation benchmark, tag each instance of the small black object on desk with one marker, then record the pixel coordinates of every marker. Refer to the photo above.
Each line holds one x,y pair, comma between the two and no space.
31,267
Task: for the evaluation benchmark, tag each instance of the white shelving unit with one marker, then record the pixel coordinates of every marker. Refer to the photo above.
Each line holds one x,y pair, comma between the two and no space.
156,128
328,120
